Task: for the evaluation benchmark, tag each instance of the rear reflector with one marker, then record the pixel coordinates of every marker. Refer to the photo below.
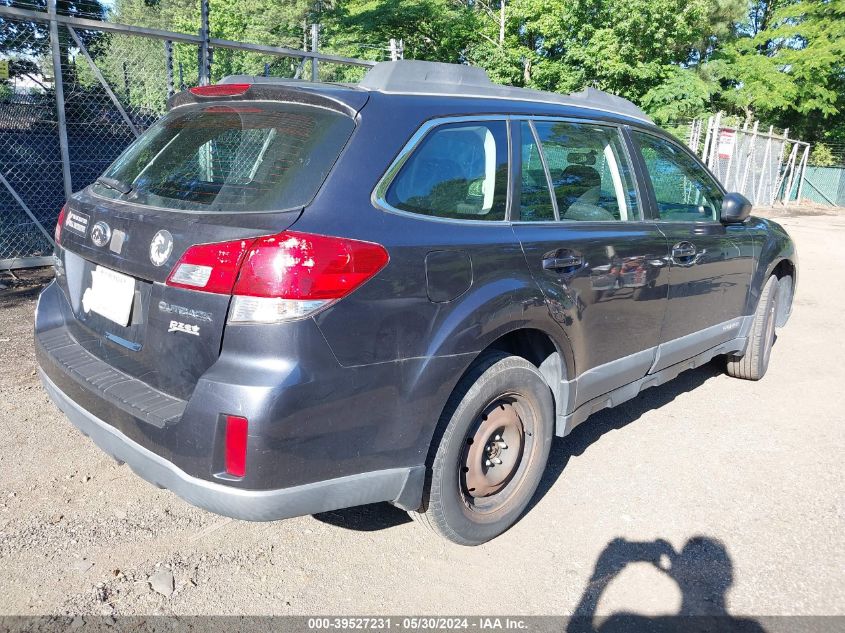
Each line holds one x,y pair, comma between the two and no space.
58,233
220,90
279,277
236,436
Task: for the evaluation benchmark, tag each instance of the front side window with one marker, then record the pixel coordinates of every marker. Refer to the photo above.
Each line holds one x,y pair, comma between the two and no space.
588,170
685,192
249,156
458,171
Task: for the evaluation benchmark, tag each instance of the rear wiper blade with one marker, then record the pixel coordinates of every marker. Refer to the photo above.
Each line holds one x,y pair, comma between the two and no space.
112,183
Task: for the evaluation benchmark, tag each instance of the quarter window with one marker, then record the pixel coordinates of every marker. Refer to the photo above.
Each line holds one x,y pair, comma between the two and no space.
685,192
590,177
458,171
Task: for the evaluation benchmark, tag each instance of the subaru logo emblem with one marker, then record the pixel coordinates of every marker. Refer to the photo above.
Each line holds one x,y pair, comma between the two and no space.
161,247
101,233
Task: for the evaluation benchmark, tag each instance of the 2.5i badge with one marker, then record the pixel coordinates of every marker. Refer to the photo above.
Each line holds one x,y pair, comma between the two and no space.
187,328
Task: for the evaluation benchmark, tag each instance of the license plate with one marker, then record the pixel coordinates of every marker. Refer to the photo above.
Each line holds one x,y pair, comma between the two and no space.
111,295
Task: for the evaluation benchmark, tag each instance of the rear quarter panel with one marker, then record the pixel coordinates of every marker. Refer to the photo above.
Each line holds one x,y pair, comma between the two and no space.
391,320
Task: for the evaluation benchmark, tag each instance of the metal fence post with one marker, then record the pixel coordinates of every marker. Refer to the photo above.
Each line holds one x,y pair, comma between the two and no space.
707,138
692,137
204,61
60,97
787,194
801,178
315,34
168,62
766,160
717,132
749,158
735,148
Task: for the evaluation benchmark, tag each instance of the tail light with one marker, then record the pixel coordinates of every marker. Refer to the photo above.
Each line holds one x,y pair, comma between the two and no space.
219,90
58,232
236,436
210,267
279,277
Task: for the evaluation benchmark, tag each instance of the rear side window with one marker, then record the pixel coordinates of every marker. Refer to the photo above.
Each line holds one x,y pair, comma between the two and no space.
458,171
237,157
589,171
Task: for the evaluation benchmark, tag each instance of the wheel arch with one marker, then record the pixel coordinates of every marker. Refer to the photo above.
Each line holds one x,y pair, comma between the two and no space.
551,355
775,255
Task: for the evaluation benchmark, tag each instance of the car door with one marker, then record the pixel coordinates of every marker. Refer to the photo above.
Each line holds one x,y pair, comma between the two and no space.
599,265
710,264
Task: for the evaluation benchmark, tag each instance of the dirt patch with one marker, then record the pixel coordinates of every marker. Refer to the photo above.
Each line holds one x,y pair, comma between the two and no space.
796,210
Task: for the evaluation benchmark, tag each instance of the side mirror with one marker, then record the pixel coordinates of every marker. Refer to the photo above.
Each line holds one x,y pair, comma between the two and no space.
735,208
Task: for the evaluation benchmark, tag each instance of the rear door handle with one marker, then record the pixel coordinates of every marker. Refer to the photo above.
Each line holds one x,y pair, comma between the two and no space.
560,263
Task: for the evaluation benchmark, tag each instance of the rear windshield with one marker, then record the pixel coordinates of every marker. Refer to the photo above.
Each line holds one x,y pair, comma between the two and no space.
254,156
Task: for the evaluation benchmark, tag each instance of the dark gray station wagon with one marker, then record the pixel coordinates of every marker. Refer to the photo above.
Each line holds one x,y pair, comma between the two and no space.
287,297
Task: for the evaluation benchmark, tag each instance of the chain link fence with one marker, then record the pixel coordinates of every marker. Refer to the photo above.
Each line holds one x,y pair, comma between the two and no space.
764,165
59,133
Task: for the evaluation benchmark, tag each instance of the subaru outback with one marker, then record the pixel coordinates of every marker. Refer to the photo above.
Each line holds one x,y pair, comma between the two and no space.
289,297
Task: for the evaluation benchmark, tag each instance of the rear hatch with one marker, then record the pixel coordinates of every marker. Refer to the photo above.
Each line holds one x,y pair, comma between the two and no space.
221,167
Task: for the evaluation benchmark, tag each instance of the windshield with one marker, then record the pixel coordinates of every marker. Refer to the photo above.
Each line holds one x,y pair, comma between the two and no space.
253,156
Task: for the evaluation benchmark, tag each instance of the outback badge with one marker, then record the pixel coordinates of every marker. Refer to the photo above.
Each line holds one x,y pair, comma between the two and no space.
161,247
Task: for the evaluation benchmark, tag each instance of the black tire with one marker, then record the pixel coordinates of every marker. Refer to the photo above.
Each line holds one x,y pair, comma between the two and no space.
786,287
755,362
495,389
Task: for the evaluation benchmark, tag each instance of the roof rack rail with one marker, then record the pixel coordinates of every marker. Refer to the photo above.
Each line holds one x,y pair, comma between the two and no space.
409,74
459,80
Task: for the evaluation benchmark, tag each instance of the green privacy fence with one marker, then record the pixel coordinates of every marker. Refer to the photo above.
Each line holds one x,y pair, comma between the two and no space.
825,185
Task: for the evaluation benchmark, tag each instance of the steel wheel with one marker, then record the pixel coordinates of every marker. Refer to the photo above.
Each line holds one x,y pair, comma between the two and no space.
491,447
492,462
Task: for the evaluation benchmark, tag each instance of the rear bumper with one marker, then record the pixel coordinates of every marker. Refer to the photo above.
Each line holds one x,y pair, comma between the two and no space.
399,485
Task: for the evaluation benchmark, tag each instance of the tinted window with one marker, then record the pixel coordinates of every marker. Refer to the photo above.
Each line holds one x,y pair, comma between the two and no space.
535,200
685,192
459,170
244,157
589,173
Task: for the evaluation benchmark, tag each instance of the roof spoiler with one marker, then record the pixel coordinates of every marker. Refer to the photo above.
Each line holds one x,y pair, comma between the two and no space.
346,99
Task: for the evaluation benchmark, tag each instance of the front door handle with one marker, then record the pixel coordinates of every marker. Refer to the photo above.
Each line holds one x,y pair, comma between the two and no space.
570,262
683,251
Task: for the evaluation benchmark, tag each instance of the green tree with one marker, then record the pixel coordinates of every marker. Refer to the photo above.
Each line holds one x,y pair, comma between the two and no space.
628,47
25,41
822,156
437,30
136,65
683,94
788,65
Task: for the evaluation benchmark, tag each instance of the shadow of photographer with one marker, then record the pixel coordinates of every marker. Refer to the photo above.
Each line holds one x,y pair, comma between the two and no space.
702,570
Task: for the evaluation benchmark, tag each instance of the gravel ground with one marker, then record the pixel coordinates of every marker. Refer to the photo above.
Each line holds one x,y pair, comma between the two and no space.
738,485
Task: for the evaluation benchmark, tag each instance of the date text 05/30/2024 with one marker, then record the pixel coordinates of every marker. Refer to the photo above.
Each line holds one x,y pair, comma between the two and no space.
417,623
